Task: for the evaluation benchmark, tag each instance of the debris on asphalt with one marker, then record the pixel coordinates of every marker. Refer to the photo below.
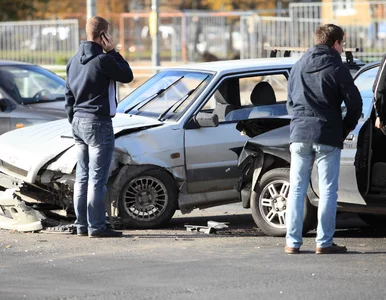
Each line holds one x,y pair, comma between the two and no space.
218,225
203,229
66,229
212,227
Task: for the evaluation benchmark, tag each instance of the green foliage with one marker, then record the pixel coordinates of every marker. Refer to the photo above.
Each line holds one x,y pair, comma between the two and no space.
61,59
37,57
14,10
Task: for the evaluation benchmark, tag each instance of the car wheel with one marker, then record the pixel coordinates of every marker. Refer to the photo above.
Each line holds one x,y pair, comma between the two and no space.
376,221
148,200
269,204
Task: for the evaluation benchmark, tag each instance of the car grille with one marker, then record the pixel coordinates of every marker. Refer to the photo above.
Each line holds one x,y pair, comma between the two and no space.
14,169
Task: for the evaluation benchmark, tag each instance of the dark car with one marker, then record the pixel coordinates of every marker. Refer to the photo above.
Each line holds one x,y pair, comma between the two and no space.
29,95
265,163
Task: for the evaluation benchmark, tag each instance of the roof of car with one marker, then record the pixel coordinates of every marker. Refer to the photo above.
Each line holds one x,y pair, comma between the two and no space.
241,64
12,63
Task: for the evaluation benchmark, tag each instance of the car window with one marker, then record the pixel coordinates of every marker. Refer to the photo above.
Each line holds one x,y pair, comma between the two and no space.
30,84
278,83
249,97
167,94
364,82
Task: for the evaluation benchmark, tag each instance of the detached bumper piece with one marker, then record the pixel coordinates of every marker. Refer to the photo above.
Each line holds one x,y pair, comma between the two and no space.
16,215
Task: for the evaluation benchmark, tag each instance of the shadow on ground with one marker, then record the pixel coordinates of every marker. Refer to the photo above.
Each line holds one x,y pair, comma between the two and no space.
241,225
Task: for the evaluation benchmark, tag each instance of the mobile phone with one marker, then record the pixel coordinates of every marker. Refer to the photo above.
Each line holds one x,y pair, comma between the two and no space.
103,35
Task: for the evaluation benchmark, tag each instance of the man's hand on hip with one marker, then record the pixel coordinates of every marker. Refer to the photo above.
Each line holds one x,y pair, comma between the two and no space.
378,123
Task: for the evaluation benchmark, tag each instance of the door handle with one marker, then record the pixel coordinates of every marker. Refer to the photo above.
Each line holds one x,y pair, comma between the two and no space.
350,137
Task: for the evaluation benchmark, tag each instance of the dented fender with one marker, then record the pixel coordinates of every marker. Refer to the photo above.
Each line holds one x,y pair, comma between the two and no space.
259,162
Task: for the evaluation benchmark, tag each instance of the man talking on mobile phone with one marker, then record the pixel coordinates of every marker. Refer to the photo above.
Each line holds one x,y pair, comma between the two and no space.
90,104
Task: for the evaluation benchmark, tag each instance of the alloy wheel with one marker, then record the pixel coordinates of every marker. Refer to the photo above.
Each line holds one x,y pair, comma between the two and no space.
273,203
145,198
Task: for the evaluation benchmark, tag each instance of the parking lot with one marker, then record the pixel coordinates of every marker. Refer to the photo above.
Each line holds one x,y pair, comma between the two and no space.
171,263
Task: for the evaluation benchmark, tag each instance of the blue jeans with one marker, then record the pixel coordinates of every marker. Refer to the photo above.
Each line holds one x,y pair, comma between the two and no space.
327,158
94,142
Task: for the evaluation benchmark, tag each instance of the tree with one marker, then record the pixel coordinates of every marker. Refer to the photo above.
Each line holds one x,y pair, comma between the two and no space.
14,10
229,5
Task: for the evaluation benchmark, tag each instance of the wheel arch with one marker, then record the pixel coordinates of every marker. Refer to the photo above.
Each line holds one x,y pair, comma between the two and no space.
271,161
117,180
262,165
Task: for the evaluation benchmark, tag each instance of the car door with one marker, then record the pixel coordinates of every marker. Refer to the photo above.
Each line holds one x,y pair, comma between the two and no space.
210,160
354,155
355,160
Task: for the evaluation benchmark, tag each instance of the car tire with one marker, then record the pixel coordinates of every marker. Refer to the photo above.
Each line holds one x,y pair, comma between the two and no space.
269,210
148,200
376,221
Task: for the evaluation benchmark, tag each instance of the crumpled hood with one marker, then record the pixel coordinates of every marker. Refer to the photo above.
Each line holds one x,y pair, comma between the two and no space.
28,149
318,58
87,51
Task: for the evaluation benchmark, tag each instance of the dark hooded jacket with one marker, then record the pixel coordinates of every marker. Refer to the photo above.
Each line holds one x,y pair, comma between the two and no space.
317,85
90,82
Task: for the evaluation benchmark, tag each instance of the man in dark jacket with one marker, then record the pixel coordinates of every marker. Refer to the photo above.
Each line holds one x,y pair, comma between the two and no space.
90,105
318,83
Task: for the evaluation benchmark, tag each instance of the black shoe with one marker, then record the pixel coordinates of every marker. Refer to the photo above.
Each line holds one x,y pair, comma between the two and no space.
106,233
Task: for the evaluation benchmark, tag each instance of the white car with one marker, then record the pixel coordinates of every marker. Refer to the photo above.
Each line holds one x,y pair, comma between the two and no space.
176,142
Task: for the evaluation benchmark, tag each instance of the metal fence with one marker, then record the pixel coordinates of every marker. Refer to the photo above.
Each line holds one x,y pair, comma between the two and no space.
188,36
363,22
40,42
193,36
203,36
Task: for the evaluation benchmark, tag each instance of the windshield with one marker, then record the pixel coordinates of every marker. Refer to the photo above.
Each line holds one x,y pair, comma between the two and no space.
364,83
31,84
160,93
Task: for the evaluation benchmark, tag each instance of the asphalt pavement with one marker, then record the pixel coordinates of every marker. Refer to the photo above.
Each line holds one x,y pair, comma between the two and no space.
238,262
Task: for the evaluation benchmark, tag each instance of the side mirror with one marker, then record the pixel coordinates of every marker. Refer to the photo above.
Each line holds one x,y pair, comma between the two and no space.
4,104
207,119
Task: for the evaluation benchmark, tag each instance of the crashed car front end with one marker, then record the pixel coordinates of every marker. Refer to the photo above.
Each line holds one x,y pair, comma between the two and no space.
38,164
262,152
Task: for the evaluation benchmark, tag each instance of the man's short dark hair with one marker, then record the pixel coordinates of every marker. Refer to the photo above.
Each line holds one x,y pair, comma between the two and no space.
329,33
94,27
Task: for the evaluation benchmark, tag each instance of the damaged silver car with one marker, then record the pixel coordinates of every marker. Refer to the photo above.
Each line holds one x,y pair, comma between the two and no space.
174,136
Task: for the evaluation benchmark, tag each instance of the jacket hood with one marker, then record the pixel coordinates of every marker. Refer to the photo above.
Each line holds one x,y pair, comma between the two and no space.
88,50
318,58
